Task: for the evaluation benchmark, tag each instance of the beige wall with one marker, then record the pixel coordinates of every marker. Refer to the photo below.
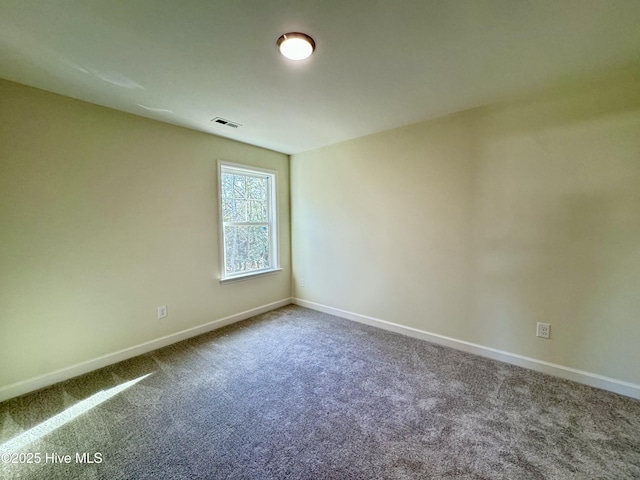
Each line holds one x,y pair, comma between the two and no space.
474,226
479,225
104,216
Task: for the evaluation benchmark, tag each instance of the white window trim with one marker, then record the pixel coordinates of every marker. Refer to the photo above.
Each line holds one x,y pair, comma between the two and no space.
273,216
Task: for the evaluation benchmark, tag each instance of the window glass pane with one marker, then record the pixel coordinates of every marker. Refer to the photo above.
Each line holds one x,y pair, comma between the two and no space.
227,209
258,211
239,211
239,186
227,185
257,188
246,248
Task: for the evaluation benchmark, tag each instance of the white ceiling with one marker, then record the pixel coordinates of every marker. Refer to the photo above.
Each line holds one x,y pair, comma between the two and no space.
379,64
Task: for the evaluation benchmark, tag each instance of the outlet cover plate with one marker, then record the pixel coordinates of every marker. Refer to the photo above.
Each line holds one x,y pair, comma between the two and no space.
162,311
543,330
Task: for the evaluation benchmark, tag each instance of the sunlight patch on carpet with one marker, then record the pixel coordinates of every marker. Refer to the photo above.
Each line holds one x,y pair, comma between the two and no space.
62,418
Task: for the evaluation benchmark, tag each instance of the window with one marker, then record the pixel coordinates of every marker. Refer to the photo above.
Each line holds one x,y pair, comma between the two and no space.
248,221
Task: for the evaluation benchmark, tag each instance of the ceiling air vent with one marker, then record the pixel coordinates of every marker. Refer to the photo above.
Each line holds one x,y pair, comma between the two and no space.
226,123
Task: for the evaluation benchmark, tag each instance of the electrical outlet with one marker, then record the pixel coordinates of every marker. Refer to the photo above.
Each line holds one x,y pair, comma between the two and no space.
162,311
301,282
543,330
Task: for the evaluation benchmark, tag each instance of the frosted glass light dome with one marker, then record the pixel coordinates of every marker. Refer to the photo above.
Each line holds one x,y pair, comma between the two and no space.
296,45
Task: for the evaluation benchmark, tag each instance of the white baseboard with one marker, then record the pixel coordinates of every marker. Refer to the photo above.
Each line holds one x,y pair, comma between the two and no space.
586,378
36,383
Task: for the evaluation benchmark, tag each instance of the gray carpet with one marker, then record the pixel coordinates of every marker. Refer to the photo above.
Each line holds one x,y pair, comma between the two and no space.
300,394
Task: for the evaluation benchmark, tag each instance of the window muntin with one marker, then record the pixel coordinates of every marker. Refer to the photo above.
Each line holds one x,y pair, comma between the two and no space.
248,218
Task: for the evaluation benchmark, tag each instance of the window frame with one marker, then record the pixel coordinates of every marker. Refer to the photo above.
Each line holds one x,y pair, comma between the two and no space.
272,211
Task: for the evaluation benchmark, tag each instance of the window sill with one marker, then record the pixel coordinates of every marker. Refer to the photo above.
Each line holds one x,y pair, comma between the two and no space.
246,276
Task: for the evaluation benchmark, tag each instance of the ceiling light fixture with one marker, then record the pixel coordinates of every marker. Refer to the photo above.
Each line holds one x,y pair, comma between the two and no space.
296,45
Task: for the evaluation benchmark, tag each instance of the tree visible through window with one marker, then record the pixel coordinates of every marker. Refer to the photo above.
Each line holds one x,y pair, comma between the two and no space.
248,220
